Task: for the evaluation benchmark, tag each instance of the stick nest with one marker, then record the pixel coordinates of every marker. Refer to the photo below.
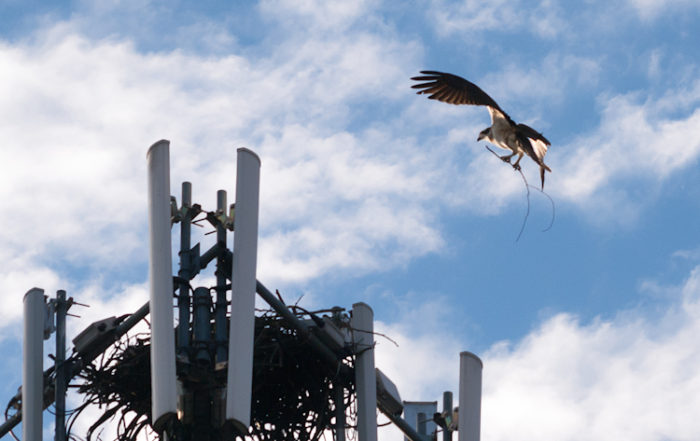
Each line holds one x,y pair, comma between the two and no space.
292,392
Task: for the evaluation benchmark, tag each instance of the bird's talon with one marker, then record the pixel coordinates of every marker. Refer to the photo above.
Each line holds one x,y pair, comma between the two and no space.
516,167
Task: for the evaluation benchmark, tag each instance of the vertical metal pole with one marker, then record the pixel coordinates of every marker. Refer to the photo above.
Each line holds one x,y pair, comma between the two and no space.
220,311
201,325
339,411
163,379
243,284
32,372
61,378
185,272
362,323
420,423
470,367
447,408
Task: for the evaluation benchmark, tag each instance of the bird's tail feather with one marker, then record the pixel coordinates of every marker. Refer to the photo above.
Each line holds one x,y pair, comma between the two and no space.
543,167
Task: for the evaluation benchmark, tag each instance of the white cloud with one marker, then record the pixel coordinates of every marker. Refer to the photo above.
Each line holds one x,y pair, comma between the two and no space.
81,114
649,10
356,207
566,379
547,19
634,141
19,276
572,381
419,339
630,376
471,17
546,83
78,116
655,63
326,15
689,254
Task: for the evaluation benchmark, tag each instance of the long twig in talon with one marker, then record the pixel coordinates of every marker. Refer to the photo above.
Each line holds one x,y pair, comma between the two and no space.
527,188
527,213
549,227
551,201
494,153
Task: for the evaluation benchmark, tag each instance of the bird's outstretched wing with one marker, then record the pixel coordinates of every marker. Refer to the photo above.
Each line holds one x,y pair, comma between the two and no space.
535,149
453,89
538,141
532,133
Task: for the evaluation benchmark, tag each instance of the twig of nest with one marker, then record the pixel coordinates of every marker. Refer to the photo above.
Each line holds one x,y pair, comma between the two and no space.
120,383
293,393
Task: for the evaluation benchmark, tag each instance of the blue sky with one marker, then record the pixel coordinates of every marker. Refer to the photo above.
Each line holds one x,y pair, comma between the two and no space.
371,193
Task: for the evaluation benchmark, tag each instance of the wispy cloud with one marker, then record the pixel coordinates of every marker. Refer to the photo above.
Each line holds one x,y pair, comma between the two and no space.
546,83
637,139
568,380
320,15
471,17
19,275
79,114
551,20
572,381
651,9
357,176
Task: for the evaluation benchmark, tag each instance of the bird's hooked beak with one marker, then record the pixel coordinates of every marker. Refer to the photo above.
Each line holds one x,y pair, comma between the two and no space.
482,134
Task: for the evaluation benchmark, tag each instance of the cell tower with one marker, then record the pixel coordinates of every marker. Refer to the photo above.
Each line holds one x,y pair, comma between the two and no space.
224,372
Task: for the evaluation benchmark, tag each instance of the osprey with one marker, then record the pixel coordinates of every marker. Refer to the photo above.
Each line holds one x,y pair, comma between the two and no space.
520,139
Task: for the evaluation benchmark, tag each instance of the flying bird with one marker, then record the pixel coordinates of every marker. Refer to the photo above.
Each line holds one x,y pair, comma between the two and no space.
520,139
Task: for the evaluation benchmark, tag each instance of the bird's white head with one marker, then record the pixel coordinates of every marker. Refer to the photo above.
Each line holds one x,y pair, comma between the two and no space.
484,134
